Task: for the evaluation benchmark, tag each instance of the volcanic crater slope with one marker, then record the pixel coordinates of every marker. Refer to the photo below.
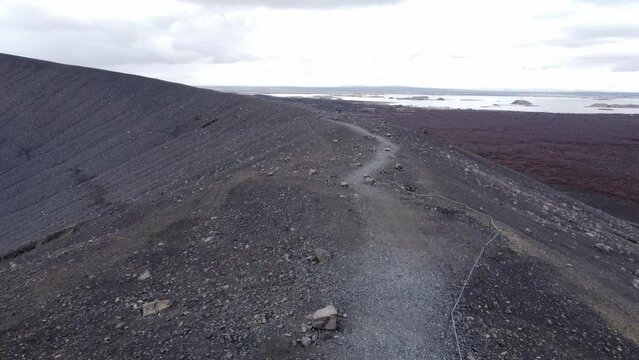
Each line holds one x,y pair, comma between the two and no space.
145,219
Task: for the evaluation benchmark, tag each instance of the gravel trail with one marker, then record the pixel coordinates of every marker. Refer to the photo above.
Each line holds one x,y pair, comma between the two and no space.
399,305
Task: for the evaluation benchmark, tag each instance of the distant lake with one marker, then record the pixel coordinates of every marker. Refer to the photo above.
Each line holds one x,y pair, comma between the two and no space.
550,104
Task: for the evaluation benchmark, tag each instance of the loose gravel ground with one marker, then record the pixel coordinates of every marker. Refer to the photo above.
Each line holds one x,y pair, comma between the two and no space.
121,194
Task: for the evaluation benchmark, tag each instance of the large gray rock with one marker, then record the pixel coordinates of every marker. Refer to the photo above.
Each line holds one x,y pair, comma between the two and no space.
322,256
325,318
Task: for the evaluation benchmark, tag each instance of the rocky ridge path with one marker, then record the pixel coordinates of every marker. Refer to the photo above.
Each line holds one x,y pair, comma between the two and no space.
400,307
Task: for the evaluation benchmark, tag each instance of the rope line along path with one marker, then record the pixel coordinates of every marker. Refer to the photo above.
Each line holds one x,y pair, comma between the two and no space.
492,224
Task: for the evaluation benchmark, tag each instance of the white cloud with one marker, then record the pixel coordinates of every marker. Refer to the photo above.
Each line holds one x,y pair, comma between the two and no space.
98,40
550,44
295,4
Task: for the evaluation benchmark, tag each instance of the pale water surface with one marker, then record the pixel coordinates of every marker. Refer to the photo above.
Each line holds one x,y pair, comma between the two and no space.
550,104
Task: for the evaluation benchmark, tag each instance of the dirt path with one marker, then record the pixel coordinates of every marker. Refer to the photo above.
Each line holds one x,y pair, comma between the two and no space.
399,306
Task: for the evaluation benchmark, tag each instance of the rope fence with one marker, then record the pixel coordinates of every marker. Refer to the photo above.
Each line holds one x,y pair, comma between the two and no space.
492,224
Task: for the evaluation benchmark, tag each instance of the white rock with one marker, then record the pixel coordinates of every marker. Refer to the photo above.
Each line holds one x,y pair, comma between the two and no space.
306,341
325,318
324,312
145,275
153,307
603,247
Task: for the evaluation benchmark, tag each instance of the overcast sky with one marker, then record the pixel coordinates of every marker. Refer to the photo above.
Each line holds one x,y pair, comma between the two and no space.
488,44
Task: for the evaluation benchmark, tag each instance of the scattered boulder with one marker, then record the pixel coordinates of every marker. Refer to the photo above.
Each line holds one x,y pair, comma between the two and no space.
334,141
119,326
325,318
13,266
603,247
322,256
306,341
635,283
271,173
637,273
399,166
369,180
343,184
153,307
312,171
145,275
387,148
